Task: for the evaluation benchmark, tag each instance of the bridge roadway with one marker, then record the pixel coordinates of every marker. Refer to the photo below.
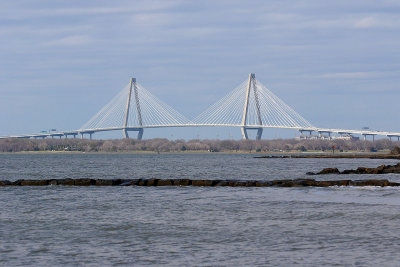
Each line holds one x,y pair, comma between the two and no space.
89,132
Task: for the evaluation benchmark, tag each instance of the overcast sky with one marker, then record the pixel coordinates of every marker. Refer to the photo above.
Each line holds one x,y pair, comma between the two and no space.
337,63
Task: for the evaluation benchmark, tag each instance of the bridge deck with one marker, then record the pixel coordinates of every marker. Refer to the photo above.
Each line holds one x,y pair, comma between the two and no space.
313,129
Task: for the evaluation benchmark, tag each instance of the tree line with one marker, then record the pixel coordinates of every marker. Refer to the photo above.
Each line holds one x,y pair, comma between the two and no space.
165,145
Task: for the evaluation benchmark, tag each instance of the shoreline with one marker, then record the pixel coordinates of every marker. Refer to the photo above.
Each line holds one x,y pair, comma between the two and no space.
337,156
270,154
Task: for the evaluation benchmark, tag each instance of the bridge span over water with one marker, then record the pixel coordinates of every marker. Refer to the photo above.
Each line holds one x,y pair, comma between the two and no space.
250,106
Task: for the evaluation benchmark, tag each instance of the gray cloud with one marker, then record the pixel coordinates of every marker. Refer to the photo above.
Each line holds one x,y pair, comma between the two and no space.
190,53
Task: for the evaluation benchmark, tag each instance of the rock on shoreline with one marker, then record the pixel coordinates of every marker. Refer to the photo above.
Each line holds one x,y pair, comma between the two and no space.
190,182
361,170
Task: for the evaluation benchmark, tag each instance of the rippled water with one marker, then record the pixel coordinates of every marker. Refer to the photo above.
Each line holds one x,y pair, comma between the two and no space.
206,226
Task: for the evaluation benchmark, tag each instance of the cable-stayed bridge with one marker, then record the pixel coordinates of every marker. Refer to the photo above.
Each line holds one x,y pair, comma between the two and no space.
250,106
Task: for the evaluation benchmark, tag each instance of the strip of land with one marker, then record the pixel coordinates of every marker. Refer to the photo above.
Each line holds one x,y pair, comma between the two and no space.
191,182
159,145
334,156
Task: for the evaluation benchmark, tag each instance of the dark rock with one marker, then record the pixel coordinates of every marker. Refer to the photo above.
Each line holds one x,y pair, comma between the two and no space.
323,183
238,183
262,183
208,183
167,182
329,171
310,173
17,182
142,182
303,182
84,182
391,169
202,183
340,183
5,183
222,183
128,182
330,183
182,182
198,183
231,183
377,170
280,182
251,183
362,170
53,182
116,182
348,172
34,182
104,182
65,182
152,182
369,183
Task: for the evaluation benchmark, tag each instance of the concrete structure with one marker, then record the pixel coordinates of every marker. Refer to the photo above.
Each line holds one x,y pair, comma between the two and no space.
251,85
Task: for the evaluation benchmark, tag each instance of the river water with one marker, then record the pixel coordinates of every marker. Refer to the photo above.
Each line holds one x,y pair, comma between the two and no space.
194,226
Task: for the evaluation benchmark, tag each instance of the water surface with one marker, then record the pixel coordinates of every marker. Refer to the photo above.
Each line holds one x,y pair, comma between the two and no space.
193,226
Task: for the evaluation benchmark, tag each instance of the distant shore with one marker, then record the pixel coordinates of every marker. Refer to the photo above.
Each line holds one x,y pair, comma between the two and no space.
158,145
337,156
257,155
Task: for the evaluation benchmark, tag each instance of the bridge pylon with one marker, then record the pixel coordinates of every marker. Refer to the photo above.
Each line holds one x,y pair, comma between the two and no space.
133,109
252,106
133,85
251,87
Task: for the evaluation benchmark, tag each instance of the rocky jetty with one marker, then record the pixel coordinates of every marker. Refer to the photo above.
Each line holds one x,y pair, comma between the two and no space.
191,182
361,170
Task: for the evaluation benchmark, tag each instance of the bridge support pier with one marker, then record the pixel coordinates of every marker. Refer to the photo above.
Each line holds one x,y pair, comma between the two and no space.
321,134
139,130
125,132
373,137
246,137
302,133
89,133
244,134
390,137
140,134
259,133
73,134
